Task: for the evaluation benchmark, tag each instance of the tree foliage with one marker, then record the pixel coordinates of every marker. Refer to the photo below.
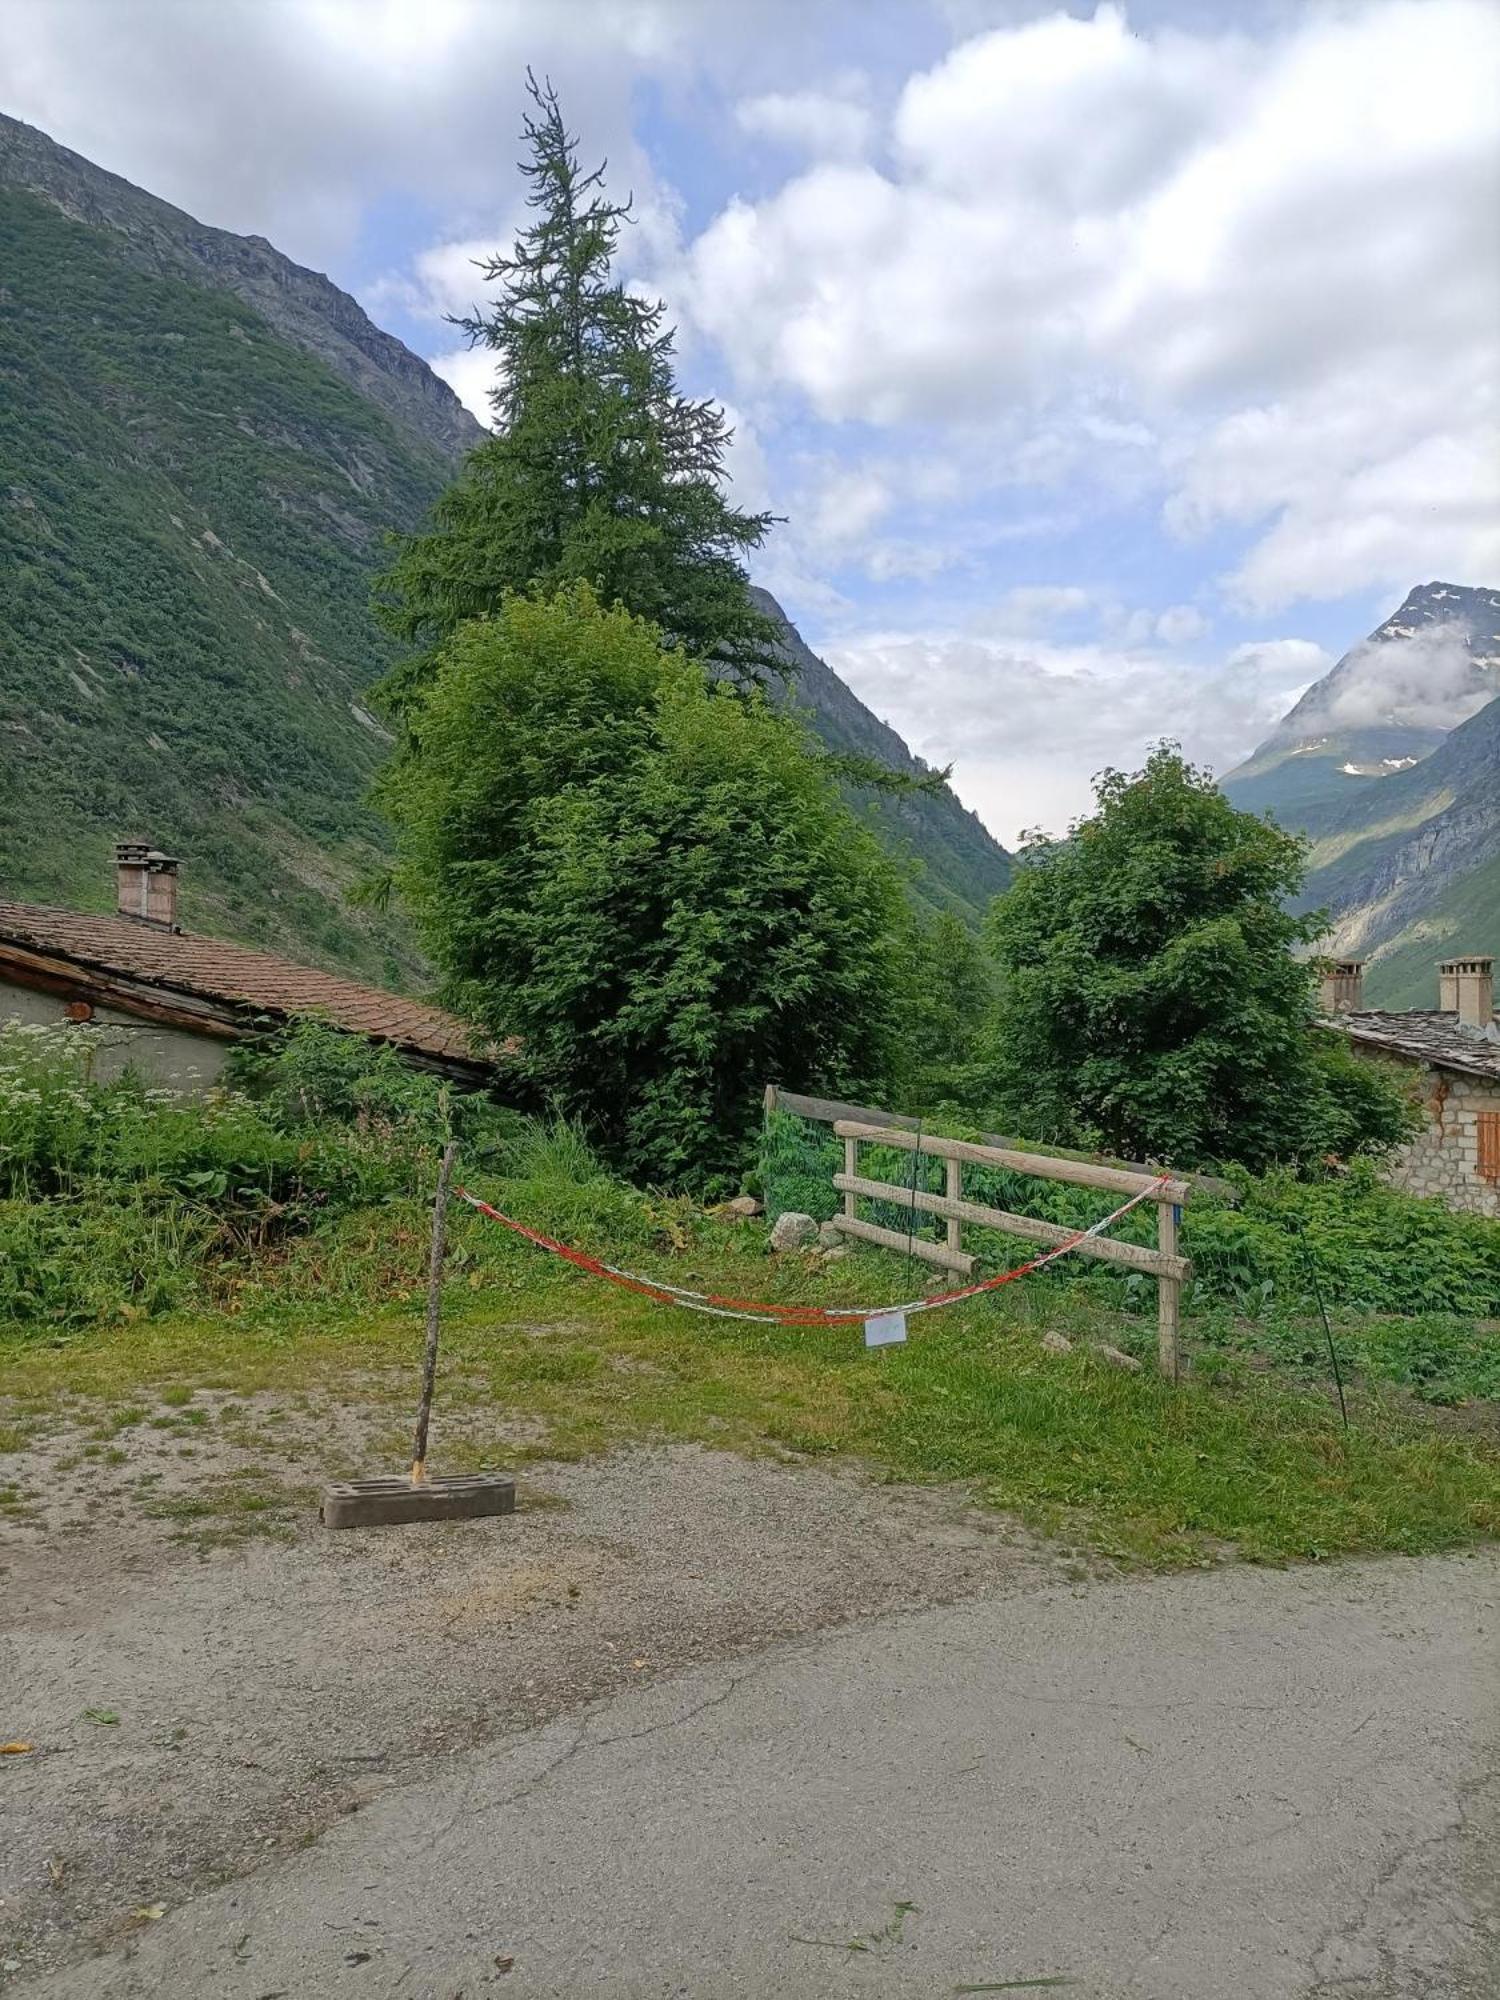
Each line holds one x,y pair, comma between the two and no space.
645,878
1154,999
599,470
953,992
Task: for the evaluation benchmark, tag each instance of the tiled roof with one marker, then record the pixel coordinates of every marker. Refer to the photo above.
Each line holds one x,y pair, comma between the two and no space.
234,976
1429,1037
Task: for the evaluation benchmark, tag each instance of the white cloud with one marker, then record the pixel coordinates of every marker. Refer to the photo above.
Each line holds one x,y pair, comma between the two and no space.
812,121
1179,624
1029,605
1278,252
292,118
1025,722
846,503
1426,679
470,373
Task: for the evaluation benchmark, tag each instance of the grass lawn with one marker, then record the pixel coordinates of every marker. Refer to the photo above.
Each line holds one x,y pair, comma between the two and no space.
1239,1459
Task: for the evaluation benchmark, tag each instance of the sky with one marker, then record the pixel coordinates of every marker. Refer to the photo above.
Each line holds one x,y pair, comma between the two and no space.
1114,368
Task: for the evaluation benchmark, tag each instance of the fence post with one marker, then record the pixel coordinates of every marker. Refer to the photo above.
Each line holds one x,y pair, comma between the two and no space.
1168,1293
851,1168
955,1193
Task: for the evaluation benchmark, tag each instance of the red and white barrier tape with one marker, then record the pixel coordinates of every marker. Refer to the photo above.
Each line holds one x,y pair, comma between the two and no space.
768,1311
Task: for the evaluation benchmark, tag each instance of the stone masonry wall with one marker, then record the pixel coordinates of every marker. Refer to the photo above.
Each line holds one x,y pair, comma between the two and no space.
1443,1159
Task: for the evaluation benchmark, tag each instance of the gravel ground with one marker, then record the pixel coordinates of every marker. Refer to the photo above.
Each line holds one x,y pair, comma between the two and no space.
209,1683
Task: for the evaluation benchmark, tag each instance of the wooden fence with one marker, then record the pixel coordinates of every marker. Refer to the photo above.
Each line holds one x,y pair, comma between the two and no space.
1164,1263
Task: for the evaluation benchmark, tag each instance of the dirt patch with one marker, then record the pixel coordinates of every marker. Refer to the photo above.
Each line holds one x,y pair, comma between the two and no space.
210,1678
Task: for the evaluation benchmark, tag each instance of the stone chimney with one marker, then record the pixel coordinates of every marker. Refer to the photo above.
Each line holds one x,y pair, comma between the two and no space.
1466,987
146,884
1341,986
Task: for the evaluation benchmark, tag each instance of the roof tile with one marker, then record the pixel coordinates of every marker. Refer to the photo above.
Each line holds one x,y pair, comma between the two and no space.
1426,1035
211,969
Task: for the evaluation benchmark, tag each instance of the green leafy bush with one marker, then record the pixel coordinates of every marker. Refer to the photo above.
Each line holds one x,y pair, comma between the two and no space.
650,881
1156,1000
116,1196
1369,1247
1363,1245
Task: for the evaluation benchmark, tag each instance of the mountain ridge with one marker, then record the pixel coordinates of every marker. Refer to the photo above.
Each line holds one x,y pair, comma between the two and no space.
929,823
1387,704
306,307
194,500
1391,766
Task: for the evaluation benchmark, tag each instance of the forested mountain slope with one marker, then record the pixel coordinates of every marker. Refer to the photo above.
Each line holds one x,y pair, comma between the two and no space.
202,450
304,307
1391,763
191,509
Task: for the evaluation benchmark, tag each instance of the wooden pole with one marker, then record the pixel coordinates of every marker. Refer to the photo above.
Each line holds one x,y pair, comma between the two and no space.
955,1193
434,1307
851,1168
1168,1293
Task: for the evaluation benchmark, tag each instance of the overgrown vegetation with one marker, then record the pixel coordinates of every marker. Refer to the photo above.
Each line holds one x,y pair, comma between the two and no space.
119,1200
275,1237
1350,1239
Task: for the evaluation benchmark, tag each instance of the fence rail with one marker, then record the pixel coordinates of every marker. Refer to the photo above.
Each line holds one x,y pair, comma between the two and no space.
1162,1262
829,1110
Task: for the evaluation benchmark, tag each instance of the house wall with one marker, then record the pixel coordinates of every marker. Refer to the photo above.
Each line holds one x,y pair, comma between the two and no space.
1443,1159
164,1056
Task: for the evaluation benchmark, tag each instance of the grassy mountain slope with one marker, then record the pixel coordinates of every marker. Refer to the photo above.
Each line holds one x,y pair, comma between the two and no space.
304,307
202,447
1391,763
1411,871
960,865
190,511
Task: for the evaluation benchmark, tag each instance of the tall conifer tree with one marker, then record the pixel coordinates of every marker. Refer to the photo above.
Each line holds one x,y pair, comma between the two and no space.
599,471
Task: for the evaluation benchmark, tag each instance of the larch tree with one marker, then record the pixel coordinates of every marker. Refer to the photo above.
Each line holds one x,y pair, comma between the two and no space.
599,471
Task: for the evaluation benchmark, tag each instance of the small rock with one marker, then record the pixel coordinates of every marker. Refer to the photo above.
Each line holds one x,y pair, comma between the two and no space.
743,1207
793,1231
831,1236
1057,1343
837,1254
1116,1359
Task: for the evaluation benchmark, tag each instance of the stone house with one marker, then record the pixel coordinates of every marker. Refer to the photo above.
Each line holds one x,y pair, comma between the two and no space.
176,1003
1452,1053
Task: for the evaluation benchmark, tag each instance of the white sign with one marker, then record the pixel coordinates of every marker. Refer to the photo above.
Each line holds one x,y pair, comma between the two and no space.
885,1329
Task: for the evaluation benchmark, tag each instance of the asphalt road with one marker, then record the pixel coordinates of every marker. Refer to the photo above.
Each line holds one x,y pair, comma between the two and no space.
1246,1784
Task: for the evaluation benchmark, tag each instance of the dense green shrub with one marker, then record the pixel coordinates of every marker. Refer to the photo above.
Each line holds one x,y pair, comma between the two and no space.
1349,1236
650,882
114,1194
1156,1001
1370,1248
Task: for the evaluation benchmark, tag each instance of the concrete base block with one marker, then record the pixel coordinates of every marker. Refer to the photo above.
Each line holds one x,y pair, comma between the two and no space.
391,1503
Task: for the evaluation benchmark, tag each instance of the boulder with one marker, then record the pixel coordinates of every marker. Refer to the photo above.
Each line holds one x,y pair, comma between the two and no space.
831,1236
1057,1343
743,1207
1116,1358
793,1231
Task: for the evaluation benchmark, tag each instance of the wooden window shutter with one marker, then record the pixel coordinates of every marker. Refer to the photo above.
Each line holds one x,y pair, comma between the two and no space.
1489,1146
